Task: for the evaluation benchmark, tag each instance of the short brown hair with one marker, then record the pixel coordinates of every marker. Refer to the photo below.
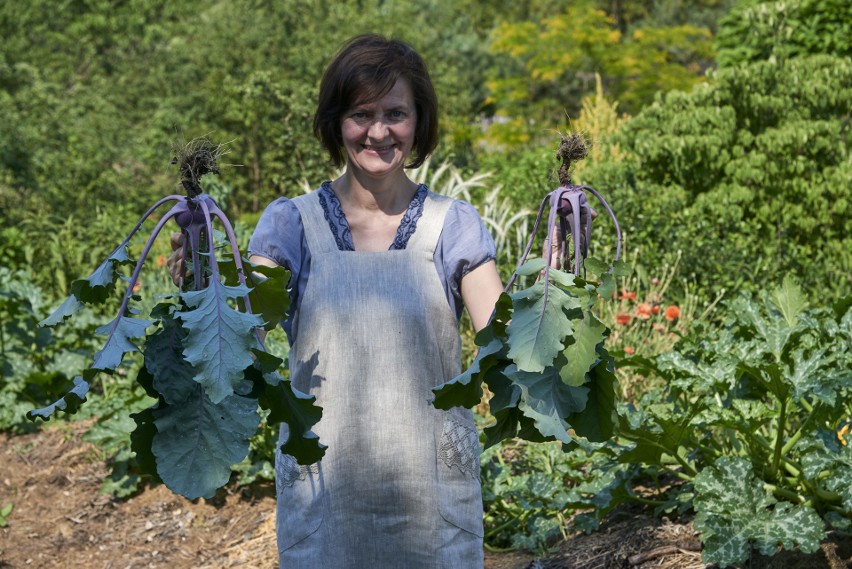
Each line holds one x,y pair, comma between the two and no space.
365,69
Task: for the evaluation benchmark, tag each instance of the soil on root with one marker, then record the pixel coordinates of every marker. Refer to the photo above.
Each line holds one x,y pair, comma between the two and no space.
61,520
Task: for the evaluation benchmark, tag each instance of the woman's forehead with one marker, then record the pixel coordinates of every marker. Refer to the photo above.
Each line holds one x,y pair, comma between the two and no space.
399,95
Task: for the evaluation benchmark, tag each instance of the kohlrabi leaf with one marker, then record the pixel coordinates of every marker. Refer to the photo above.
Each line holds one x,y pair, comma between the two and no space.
539,326
120,333
288,405
269,297
466,389
70,402
198,441
172,375
219,340
97,287
735,513
596,421
547,400
582,354
141,440
65,310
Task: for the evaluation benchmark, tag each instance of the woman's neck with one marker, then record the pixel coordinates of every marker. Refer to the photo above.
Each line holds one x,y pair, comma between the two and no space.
391,196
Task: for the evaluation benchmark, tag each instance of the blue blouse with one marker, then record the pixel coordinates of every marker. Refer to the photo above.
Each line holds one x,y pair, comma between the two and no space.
464,245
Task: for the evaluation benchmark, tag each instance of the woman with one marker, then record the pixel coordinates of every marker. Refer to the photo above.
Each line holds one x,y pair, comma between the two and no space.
380,268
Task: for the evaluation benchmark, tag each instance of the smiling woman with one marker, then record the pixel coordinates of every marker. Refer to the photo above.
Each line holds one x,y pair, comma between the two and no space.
381,269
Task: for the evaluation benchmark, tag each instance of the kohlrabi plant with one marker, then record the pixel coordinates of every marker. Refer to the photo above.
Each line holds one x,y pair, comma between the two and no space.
542,355
204,361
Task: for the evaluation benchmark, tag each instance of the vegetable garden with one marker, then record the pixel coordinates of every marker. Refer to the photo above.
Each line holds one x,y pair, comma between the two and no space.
703,379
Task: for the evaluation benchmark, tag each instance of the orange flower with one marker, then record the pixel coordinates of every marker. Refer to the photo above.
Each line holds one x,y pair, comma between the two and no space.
672,313
655,309
627,295
629,351
643,311
161,261
622,319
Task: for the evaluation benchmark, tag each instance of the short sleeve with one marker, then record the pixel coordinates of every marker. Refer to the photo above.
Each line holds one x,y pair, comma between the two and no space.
278,234
465,244
280,237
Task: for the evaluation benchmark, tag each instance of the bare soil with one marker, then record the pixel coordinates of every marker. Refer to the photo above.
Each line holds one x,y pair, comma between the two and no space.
61,520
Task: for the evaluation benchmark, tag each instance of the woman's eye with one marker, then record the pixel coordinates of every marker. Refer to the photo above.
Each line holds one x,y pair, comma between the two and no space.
397,114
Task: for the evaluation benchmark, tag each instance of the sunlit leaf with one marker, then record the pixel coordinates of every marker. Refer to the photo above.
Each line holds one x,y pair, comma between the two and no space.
219,340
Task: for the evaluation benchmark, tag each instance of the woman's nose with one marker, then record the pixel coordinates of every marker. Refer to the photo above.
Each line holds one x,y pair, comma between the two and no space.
378,129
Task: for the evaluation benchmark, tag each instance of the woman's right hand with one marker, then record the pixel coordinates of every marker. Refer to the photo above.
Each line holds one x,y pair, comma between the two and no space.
175,260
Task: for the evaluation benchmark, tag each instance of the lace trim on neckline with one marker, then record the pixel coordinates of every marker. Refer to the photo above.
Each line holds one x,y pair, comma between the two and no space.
333,213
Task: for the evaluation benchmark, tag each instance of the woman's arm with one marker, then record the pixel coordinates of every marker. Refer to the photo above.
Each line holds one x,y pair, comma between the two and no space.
480,290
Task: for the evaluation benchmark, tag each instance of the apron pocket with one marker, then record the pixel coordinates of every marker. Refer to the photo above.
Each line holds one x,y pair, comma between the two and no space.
459,491
299,508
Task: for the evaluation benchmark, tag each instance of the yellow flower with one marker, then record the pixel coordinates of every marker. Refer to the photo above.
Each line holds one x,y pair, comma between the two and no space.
844,430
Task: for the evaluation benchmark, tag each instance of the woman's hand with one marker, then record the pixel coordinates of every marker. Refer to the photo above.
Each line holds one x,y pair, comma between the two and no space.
175,260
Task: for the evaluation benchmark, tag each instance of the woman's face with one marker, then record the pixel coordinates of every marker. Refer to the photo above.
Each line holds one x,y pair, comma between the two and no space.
378,135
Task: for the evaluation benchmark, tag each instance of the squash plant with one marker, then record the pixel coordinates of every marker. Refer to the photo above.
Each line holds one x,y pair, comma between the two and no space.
204,361
751,432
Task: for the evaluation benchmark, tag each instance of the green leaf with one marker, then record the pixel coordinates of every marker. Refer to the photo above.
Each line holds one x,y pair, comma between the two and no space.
97,287
465,390
538,328
141,440
220,338
70,402
548,401
65,310
607,287
298,410
582,354
734,513
504,427
197,442
596,421
531,267
829,463
172,376
121,330
790,300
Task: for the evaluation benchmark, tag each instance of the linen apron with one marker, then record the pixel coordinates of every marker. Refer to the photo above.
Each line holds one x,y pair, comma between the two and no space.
398,487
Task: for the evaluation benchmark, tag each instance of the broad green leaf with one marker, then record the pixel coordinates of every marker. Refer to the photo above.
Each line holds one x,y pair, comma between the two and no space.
65,310
296,409
172,376
141,440
531,267
70,402
97,287
595,266
198,441
538,328
596,421
504,427
735,513
548,401
663,431
621,268
582,354
828,463
120,332
607,287
465,390
219,338
268,295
